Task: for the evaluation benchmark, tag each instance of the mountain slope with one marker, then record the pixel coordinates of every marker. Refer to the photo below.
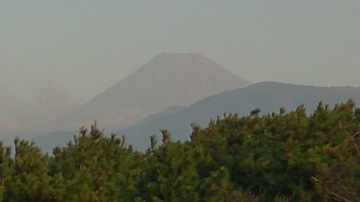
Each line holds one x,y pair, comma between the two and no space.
166,80
268,96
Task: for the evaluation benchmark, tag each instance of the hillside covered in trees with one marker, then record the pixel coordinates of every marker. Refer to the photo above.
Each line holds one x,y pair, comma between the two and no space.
283,156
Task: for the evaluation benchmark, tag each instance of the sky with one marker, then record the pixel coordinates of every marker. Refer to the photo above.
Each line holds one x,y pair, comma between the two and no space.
56,55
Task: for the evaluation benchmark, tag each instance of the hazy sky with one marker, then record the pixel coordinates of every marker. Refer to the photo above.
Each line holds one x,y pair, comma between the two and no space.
55,55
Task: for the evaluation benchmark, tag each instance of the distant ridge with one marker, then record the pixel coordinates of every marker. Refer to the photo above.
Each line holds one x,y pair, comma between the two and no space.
166,80
267,96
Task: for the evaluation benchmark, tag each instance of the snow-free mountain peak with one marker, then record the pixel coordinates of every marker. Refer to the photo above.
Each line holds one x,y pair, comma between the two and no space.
166,80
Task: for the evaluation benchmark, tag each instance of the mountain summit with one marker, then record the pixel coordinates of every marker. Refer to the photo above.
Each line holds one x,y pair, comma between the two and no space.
168,79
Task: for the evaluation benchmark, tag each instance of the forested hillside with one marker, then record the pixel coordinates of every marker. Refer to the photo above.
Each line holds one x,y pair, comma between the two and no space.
268,96
282,156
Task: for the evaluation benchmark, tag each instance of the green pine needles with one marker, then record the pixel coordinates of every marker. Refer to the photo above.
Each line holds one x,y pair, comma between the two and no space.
285,156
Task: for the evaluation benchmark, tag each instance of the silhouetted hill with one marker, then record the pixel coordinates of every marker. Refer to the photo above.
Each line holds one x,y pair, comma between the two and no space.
268,96
168,79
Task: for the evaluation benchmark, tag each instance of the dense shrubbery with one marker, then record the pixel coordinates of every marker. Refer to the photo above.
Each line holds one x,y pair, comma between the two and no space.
285,156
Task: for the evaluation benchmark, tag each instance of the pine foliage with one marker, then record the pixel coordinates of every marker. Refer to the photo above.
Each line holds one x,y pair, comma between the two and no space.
285,156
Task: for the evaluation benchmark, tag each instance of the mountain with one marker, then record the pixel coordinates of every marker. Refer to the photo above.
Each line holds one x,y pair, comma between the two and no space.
166,80
268,96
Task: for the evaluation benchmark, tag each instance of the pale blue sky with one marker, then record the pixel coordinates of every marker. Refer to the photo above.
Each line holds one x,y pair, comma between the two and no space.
66,52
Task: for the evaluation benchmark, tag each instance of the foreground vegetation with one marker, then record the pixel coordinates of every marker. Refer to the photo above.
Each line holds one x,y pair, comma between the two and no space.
285,156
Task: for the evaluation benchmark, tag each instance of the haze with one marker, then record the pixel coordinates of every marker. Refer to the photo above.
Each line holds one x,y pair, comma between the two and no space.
55,55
